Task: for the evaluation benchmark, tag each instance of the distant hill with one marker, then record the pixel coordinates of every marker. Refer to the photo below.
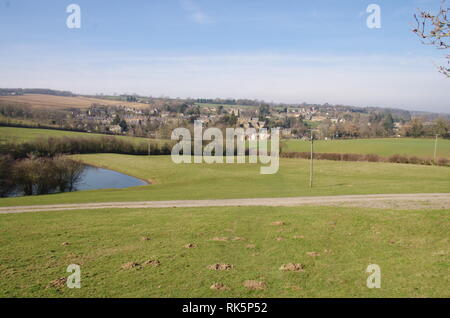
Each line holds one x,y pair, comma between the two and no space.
22,91
52,102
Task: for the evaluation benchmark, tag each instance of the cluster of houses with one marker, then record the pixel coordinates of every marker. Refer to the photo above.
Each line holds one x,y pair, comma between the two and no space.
111,118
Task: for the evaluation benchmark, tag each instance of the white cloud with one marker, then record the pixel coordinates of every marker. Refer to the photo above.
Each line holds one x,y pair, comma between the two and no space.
195,13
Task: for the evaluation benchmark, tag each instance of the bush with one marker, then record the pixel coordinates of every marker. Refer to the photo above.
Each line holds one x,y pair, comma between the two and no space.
43,175
398,159
369,157
372,158
25,175
6,180
443,162
50,147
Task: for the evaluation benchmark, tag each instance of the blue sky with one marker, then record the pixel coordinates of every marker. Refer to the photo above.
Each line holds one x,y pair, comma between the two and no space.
285,51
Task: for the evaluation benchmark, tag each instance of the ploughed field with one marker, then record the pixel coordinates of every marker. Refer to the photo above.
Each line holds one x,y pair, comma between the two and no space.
51,102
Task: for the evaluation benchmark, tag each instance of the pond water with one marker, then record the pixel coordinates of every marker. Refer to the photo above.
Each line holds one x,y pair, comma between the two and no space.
98,178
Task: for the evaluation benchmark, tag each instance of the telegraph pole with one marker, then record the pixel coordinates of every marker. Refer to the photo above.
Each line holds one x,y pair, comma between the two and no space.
311,166
148,145
435,148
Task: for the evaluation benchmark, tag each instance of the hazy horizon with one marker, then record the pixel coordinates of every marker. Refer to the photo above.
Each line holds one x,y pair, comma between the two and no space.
285,51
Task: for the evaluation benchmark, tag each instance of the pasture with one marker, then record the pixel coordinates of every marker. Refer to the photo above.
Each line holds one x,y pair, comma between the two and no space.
14,134
168,252
221,181
420,147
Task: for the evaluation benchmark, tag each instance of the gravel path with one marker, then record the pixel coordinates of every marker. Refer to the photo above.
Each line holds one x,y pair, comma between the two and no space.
386,201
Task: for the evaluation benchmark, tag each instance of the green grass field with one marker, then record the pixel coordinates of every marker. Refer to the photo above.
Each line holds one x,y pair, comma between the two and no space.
218,181
14,134
411,248
420,147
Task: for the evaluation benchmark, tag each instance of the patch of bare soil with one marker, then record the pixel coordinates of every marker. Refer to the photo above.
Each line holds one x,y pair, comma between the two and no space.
313,254
153,262
278,223
250,246
279,239
291,267
130,265
238,238
219,286
190,245
145,238
57,283
254,285
220,267
298,237
220,239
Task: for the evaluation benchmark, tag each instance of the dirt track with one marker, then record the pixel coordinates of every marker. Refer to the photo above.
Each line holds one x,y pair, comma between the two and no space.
383,201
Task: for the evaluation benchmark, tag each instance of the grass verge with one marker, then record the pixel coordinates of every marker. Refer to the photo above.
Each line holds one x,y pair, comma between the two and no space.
411,247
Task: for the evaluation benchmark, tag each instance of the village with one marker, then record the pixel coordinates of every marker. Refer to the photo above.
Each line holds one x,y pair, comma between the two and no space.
296,121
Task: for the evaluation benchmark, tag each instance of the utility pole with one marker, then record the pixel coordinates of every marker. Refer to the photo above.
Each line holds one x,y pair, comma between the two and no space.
148,145
435,148
311,166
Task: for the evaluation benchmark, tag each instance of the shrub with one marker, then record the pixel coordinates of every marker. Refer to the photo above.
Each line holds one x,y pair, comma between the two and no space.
6,180
43,175
443,162
49,147
398,159
414,160
372,158
25,175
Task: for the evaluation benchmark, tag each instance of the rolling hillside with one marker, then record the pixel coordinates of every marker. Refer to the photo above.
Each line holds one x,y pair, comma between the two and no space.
51,102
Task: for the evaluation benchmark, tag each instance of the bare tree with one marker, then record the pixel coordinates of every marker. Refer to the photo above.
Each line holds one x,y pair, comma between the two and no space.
434,29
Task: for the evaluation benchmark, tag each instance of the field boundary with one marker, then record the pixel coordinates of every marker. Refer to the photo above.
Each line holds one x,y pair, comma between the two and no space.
397,158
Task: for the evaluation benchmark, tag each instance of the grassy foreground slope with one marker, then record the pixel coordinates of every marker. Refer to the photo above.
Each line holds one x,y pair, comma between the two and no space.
411,248
218,181
420,147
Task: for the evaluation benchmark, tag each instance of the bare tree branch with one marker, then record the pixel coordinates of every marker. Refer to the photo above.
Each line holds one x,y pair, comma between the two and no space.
435,30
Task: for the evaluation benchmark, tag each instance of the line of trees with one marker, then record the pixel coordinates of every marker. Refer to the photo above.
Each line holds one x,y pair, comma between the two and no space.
53,146
383,126
368,157
38,175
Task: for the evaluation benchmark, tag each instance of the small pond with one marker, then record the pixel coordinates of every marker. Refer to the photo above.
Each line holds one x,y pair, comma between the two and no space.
98,178
94,178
